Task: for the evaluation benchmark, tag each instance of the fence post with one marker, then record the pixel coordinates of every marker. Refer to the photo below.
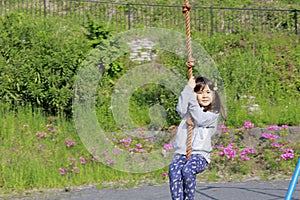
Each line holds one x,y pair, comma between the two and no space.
45,7
296,20
211,21
128,7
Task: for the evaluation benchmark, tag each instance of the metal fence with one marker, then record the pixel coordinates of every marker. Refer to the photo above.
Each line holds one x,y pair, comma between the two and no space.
122,16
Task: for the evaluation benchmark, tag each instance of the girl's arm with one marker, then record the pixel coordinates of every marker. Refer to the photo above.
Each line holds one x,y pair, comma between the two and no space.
183,101
184,98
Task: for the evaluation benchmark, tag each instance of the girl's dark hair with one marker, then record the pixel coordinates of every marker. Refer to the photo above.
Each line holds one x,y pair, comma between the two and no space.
216,104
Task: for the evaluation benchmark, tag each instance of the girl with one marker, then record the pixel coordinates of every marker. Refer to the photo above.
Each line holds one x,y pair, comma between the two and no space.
199,100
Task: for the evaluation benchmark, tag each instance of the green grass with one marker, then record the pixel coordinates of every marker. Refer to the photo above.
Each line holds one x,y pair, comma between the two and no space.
29,161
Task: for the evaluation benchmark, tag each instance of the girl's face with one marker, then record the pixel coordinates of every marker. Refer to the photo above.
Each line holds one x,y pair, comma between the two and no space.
205,96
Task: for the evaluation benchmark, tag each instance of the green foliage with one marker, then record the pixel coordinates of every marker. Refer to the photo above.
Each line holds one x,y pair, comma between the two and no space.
260,74
151,95
39,60
96,32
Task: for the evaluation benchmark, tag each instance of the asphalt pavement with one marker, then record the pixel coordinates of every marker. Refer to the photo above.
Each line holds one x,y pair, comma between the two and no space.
249,190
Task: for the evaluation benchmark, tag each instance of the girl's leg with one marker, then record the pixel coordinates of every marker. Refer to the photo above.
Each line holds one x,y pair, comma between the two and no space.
196,164
175,177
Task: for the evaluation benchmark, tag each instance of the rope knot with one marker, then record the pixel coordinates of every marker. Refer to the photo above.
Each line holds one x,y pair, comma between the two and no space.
190,122
186,7
190,63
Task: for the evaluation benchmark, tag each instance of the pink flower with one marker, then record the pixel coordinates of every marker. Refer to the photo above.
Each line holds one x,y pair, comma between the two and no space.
115,151
273,128
248,150
245,152
129,140
251,150
75,169
287,156
289,153
276,145
109,161
248,125
141,150
62,171
69,143
168,147
244,157
229,152
139,145
224,128
83,160
164,174
270,136
122,141
284,126
289,150
41,135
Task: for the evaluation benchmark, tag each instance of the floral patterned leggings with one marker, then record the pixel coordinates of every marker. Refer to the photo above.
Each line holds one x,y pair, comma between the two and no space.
182,175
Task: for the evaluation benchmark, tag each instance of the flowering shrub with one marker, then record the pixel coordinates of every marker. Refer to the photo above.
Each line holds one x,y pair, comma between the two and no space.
272,152
230,155
230,152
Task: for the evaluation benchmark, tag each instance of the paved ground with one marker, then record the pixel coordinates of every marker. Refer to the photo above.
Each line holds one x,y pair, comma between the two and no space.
250,190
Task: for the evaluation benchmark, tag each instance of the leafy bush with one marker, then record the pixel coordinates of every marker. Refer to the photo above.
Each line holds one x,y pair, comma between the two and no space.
39,58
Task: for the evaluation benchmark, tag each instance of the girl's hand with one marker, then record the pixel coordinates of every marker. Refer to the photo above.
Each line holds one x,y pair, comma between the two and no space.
192,82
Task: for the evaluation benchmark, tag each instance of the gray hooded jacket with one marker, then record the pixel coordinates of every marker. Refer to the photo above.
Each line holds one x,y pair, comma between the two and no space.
205,125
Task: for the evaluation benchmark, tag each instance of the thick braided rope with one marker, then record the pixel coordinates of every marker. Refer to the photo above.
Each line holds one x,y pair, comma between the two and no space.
190,63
